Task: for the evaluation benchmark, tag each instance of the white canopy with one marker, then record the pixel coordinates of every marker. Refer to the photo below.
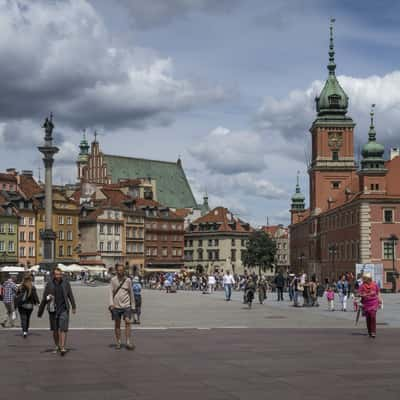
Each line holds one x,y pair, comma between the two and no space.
95,268
34,268
12,268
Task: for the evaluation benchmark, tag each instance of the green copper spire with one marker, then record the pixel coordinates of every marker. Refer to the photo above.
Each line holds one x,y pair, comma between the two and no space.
373,152
84,149
298,199
331,65
333,101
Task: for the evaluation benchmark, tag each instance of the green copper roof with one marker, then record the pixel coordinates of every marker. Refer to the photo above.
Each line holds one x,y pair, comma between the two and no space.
298,199
372,152
84,149
173,189
333,101
205,208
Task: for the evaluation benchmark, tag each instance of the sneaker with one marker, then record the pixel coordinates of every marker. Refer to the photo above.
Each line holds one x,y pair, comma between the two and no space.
63,352
56,350
130,346
25,334
118,346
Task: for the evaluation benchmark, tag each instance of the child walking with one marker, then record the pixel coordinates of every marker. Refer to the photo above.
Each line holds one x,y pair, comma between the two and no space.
330,296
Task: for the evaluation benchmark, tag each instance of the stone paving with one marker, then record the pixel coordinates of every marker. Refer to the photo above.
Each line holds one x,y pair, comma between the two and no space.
200,347
195,310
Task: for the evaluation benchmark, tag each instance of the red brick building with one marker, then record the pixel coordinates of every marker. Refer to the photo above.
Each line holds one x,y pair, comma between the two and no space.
354,213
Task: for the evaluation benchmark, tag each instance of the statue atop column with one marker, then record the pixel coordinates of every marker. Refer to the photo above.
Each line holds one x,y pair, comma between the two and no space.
48,128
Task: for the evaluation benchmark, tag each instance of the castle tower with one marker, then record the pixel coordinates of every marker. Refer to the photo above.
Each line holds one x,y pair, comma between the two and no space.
332,162
373,171
298,204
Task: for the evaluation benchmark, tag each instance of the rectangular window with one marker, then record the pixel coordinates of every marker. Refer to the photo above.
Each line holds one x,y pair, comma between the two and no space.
11,228
60,220
210,242
22,236
31,236
69,251
335,155
69,235
60,251
109,229
233,255
101,228
31,221
116,245
1,245
109,246
31,251
200,243
117,229
164,252
388,250
335,185
69,220
22,251
101,246
61,235
388,216
2,228
22,221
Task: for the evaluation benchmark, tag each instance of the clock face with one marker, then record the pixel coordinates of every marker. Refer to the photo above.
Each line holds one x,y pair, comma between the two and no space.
335,140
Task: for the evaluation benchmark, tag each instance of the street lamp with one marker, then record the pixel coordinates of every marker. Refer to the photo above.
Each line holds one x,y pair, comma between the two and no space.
393,239
333,251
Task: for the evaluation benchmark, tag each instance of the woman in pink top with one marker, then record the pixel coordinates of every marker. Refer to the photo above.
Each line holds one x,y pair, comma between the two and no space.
370,300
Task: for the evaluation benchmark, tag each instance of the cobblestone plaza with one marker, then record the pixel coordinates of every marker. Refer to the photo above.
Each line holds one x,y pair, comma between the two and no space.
199,346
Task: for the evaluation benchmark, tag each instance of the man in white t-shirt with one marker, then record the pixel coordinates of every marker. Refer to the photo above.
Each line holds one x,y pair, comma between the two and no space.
211,283
228,281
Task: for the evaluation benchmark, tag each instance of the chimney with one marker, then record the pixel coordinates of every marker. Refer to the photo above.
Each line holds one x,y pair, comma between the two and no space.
11,171
394,152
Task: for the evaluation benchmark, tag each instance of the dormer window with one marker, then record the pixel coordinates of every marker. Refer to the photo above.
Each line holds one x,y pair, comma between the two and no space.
334,100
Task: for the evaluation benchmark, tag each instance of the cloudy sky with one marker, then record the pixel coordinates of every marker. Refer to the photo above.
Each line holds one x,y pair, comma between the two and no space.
228,85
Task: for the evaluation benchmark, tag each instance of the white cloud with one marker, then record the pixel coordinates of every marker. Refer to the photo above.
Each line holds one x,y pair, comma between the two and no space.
60,57
227,152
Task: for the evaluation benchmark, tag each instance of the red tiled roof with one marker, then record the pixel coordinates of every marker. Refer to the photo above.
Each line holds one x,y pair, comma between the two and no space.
272,230
182,212
224,219
28,186
8,177
115,196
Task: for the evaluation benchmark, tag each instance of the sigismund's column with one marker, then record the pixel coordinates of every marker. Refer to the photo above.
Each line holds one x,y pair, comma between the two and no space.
48,236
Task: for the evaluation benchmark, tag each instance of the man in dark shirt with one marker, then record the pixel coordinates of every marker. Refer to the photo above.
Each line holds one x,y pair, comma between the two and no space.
58,296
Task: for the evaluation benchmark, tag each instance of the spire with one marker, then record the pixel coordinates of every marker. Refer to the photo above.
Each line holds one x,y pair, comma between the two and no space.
84,148
372,133
372,152
298,199
331,65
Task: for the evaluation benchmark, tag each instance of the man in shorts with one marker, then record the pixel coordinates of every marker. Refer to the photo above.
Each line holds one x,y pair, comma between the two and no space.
121,303
59,299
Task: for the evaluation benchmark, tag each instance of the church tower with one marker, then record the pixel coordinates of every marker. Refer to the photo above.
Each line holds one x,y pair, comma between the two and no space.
333,168
83,157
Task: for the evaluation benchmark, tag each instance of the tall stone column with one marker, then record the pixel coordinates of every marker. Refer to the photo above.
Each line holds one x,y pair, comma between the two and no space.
48,236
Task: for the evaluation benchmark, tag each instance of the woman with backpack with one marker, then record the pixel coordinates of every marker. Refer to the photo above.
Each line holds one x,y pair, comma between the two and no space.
25,300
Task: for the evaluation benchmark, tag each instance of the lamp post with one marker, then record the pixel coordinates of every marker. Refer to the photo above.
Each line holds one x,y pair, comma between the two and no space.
48,236
333,251
393,239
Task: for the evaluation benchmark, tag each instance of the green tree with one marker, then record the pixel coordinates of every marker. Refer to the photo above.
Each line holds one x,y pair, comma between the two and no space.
260,252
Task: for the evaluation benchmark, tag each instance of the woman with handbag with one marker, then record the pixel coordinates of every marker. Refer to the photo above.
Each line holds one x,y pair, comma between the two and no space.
25,301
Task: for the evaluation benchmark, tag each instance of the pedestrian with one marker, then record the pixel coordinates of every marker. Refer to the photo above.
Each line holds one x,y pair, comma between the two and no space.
137,294
121,301
330,296
9,289
26,299
370,300
343,289
280,284
59,299
314,291
211,283
228,281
